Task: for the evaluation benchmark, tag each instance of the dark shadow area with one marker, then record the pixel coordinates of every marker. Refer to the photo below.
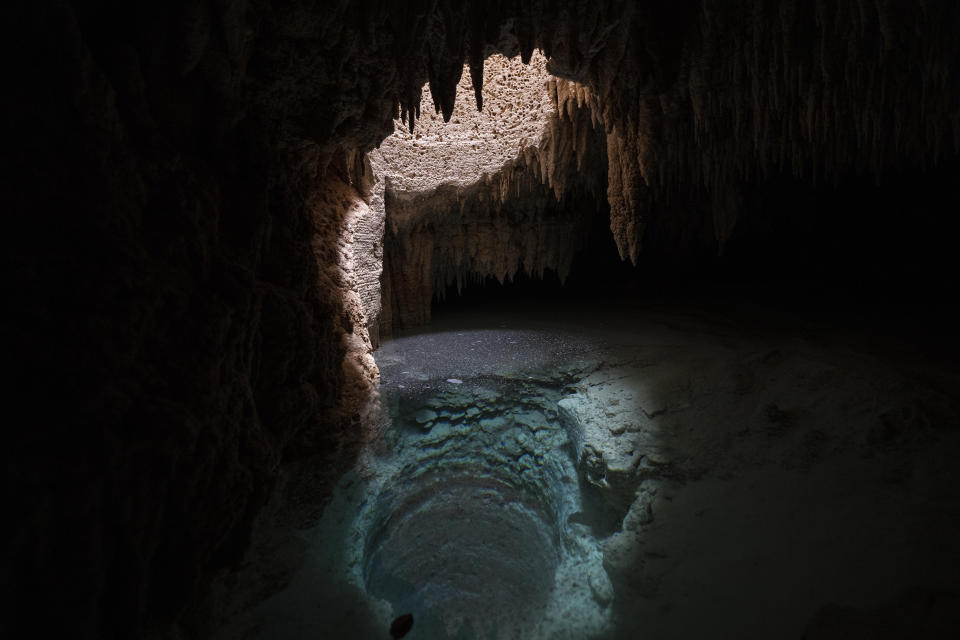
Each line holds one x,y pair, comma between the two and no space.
601,516
860,255
858,236
866,257
597,272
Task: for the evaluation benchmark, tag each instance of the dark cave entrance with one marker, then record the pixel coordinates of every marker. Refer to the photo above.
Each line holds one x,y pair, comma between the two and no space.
878,256
597,274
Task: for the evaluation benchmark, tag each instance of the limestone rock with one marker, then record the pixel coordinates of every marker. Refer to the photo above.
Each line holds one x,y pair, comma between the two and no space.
594,469
569,416
600,586
640,513
424,416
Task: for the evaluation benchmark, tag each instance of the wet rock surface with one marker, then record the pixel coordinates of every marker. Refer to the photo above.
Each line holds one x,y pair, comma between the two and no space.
610,475
467,531
460,511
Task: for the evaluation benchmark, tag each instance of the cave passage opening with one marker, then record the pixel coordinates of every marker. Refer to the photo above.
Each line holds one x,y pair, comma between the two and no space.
479,523
502,203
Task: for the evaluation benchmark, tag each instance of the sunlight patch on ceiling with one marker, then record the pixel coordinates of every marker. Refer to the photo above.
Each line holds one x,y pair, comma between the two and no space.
516,110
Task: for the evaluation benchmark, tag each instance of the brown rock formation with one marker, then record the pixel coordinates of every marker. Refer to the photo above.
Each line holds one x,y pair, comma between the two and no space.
494,195
460,151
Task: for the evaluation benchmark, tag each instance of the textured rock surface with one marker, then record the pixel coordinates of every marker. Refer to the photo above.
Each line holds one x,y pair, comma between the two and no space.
520,199
366,256
716,96
723,466
471,143
457,513
730,462
182,325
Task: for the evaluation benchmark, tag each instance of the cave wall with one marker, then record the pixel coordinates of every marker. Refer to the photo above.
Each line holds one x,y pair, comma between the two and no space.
458,245
705,106
503,194
172,327
180,319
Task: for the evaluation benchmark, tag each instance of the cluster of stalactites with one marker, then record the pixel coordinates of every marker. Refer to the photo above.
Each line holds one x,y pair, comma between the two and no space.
456,241
815,90
517,220
454,32
521,222
570,156
710,95
571,151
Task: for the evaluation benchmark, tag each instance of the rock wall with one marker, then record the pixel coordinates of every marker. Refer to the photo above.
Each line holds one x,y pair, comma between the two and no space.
462,242
494,195
366,226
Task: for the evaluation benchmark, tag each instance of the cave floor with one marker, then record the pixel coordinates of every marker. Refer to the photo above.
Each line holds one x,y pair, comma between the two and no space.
690,474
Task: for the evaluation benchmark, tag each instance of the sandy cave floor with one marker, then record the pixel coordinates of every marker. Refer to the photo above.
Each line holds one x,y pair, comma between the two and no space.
657,473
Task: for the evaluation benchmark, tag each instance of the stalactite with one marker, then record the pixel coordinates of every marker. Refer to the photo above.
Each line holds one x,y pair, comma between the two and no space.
715,95
446,52
478,17
816,90
515,218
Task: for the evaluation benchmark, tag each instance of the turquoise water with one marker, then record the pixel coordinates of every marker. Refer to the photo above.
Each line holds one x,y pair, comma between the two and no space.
470,530
462,507
645,476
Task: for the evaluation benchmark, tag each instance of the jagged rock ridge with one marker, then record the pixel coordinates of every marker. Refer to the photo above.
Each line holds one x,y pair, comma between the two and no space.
492,195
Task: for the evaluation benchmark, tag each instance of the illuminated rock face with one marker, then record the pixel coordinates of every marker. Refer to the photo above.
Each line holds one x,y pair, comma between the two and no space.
516,113
497,193
461,201
541,474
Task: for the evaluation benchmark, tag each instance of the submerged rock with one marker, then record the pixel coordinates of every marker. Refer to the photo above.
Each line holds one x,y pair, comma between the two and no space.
423,416
600,586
